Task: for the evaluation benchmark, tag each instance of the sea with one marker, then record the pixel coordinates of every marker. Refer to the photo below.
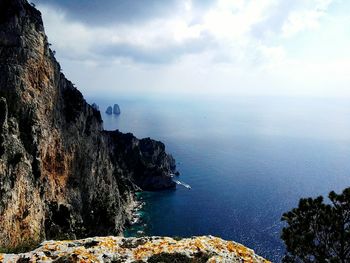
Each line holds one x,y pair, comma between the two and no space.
247,159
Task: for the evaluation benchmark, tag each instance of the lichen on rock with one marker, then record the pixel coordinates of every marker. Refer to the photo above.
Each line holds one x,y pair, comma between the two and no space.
145,249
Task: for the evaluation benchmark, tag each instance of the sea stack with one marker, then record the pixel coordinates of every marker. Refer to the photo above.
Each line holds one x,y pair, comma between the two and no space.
116,109
61,175
109,110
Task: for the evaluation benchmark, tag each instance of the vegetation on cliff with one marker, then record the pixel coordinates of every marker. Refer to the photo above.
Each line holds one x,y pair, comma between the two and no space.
318,231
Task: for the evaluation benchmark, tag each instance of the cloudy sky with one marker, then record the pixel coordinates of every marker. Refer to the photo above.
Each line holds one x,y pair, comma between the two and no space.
227,47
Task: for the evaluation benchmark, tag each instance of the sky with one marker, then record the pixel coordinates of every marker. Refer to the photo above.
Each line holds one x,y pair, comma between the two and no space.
208,47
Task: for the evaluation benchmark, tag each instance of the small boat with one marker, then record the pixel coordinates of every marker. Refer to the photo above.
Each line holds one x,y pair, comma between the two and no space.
183,184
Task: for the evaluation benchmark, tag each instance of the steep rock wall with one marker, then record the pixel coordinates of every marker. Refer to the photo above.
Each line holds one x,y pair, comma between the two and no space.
61,175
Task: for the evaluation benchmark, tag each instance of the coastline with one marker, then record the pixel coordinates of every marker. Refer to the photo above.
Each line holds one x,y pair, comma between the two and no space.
135,227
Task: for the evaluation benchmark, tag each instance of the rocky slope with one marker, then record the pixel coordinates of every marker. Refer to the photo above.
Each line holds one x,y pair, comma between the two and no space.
61,175
145,249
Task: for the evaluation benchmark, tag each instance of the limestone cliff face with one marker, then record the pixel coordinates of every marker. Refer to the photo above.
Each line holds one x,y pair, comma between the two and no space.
146,249
61,175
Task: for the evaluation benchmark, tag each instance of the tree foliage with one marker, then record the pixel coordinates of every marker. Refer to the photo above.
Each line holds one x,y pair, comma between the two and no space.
318,231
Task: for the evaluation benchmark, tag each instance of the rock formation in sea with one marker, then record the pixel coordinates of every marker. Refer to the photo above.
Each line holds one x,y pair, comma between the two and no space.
109,110
116,109
145,249
61,175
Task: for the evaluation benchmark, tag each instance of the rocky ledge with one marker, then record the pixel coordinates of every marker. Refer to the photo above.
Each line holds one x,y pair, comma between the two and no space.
145,249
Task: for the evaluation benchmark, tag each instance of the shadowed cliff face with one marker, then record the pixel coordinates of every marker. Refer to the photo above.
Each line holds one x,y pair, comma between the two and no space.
61,175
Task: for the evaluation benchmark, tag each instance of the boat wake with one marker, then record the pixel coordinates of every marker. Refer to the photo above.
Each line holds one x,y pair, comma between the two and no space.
183,184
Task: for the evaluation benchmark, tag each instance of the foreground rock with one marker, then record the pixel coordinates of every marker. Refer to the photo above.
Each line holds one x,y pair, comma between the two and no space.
145,249
61,175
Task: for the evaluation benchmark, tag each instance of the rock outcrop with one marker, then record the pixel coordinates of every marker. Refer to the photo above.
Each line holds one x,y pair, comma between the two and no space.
109,110
144,249
61,175
95,106
116,109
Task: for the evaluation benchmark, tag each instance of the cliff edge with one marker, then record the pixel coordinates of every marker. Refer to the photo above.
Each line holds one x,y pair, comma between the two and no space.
61,174
146,249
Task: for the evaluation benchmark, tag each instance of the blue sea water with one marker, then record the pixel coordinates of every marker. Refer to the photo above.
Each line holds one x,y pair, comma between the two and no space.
248,160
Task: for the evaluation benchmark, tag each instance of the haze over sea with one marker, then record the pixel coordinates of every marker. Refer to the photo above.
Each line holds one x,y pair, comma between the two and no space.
248,160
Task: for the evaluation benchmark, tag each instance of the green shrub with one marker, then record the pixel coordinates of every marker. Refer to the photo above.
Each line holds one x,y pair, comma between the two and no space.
318,231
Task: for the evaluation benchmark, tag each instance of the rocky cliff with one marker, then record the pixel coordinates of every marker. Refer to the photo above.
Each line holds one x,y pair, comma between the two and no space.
61,174
147,249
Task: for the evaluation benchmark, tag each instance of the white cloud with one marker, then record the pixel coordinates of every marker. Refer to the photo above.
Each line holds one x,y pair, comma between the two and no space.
305,18
79,41
243,46
229,24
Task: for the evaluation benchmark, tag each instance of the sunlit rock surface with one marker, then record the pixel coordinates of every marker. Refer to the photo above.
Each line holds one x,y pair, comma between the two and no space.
145,249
